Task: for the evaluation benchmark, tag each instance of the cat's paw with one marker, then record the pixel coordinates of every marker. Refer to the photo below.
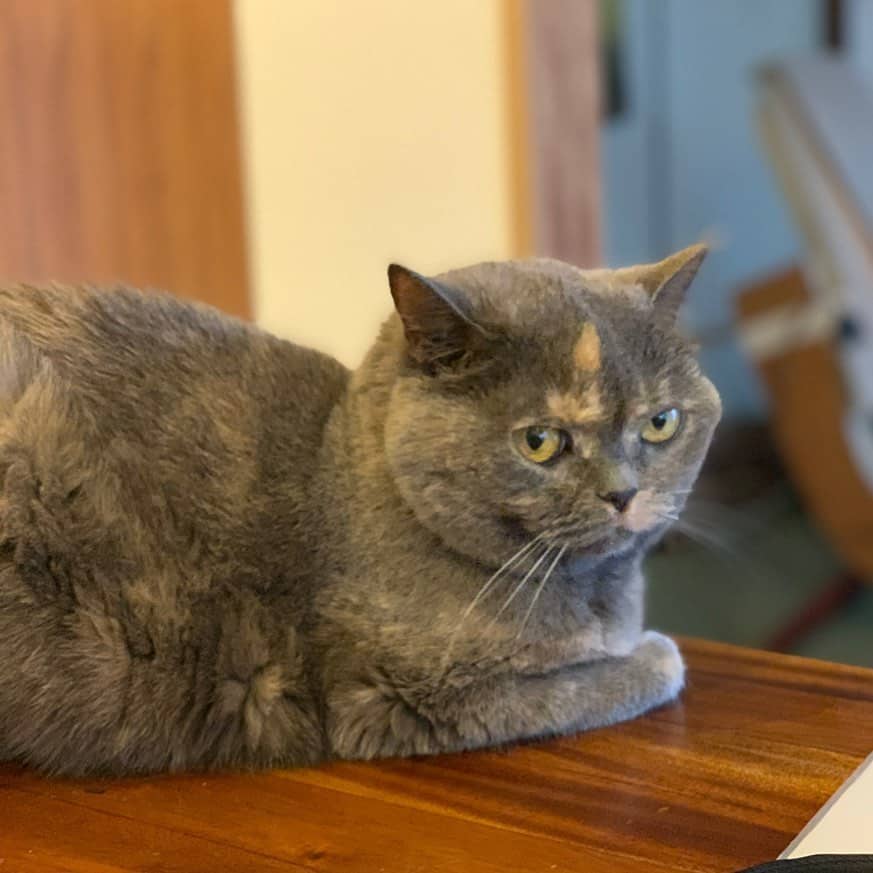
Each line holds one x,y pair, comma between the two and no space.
659,657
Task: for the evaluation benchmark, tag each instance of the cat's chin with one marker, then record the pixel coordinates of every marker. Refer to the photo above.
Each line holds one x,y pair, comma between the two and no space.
616,541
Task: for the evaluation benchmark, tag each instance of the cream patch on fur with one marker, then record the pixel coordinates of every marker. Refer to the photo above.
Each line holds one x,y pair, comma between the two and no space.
644,512
523,501
587,352
576,408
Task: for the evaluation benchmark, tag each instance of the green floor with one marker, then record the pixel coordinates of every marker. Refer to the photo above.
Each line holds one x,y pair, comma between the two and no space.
770,562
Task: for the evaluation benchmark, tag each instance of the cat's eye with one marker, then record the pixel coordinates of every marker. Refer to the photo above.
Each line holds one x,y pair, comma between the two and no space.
540,444
661,427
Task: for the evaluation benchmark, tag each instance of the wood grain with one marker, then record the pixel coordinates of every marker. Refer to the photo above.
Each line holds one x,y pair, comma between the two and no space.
119,154
722,780
516,46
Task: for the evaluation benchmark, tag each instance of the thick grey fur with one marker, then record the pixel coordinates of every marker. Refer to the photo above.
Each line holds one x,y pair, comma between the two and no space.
219,549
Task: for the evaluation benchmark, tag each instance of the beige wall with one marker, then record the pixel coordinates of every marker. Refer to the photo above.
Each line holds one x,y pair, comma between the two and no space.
374,130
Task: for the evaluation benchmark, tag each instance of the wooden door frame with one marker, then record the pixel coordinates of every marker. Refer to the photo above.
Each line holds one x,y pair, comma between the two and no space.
119,154
553,97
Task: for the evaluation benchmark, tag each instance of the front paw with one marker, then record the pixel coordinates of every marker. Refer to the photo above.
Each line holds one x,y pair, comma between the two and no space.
658,657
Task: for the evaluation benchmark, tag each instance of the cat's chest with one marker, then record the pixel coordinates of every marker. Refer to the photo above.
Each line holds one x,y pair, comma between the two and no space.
571,637
596,639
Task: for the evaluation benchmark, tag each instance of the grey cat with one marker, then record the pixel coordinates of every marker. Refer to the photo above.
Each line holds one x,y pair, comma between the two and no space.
219,549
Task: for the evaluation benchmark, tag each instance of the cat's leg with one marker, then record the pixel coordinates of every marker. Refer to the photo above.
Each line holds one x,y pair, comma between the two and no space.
367,721
126,665
92,684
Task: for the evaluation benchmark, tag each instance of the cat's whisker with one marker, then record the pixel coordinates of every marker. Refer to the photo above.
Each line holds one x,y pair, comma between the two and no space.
581,539
521,584
486,587
710,540
715,515
593,536
715,543
515,558
703,535
540,588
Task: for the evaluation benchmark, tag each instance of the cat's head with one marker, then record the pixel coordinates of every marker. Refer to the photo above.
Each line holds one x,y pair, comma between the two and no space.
537,400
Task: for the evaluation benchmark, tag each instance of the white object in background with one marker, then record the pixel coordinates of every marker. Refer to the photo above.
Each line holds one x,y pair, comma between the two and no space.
815,121
844,825
779,330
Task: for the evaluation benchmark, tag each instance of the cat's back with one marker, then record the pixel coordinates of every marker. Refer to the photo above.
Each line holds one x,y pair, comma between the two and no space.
132,347
155,472
120,336
167,411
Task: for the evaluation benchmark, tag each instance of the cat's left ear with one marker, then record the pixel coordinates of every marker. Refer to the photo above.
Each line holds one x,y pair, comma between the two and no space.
668,280
439,334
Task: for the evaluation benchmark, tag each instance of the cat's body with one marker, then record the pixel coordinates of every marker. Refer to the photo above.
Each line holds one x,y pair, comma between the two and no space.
220,549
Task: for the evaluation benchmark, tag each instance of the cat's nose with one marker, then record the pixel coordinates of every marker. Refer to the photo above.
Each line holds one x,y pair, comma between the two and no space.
620,499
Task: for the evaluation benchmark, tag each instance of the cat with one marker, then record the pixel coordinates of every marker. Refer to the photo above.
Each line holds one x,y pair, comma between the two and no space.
220,549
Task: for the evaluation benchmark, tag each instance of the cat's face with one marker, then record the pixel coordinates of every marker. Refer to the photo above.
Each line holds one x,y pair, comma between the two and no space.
540,401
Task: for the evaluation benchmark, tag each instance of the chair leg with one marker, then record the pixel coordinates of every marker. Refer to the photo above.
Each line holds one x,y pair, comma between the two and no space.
839,592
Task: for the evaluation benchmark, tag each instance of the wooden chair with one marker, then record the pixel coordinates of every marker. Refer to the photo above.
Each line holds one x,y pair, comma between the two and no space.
810,329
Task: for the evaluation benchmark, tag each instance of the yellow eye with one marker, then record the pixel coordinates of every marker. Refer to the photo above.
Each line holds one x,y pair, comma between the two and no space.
540,444
661,427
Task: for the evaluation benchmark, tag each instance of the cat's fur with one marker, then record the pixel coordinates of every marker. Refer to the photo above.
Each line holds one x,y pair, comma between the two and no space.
221,549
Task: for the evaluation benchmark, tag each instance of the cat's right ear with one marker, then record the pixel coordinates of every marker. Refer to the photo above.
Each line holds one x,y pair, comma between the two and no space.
438,333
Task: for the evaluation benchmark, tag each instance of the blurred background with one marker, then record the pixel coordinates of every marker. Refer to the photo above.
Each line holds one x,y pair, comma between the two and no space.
271,157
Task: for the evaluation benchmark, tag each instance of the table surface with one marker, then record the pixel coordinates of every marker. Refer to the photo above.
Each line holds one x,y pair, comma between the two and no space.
724,779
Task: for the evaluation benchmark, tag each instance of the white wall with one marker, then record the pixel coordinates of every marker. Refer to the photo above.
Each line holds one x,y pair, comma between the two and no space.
373,131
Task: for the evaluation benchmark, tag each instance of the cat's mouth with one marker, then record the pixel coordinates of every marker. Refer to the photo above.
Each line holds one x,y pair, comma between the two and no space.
645,512
613,534
612,540
602,540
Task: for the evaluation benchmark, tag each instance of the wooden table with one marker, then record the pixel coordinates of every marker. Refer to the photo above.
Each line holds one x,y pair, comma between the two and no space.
722,780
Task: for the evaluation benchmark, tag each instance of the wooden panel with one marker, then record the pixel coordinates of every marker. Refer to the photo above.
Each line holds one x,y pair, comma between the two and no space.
723,779
119,154
519,131
561,47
